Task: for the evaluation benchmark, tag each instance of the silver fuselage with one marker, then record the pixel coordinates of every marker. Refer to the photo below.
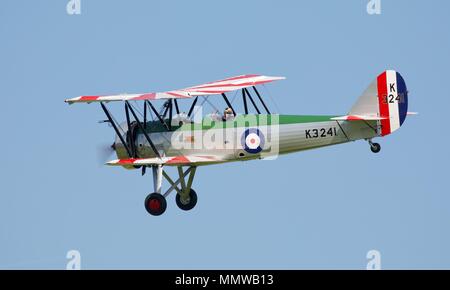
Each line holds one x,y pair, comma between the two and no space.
282,135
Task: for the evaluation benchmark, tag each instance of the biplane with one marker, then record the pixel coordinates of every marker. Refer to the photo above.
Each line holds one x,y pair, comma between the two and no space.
156,139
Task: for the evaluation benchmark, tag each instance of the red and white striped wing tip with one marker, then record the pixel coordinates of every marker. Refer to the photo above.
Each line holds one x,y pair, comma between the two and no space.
136,161
122,97
212,88
175,160
230,84
358,118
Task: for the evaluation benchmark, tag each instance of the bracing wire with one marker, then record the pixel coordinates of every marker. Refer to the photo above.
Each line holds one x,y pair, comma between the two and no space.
270,97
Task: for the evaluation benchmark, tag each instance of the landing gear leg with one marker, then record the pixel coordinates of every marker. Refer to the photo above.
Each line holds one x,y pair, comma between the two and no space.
186,197
157,178
156,203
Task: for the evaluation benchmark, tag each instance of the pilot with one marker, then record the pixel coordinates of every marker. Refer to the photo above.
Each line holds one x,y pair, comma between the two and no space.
228,114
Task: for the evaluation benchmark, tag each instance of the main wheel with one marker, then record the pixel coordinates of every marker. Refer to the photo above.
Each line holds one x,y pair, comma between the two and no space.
190,204
155,204
375,147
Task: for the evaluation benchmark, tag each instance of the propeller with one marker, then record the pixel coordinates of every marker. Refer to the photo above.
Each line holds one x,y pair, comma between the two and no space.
104,152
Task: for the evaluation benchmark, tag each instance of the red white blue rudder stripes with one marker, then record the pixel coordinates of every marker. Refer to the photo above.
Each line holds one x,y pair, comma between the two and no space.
392,101
385,100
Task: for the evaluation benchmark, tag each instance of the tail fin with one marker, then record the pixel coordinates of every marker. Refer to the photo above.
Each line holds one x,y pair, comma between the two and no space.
386,99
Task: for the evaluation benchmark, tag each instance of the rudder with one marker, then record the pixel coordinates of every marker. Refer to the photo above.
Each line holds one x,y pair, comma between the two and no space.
387,98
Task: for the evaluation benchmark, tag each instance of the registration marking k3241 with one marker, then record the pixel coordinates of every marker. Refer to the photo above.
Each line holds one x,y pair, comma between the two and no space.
320,133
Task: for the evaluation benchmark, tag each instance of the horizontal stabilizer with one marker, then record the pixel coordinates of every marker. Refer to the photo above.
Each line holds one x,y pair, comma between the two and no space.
358,118
168,161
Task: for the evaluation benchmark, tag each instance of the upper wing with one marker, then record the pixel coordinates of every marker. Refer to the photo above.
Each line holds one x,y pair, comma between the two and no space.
169,161
212,88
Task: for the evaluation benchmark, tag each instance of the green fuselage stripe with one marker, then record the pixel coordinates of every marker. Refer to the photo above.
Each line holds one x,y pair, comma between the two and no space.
240,121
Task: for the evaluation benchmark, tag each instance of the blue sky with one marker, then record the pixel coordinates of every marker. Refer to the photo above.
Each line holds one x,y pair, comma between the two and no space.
320,209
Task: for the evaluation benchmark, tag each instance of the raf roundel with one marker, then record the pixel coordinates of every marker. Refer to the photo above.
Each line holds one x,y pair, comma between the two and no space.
252,140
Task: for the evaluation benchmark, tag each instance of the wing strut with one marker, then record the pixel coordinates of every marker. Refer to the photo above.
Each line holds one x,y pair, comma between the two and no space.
143,131
111,121
170,114
261,100
157,115
177,109
145,114
129,132
192,106
166,108
228,104
244,98
251,100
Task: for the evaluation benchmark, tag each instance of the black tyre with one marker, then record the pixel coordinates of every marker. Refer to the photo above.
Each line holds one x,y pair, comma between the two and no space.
375,147
155,204
192,201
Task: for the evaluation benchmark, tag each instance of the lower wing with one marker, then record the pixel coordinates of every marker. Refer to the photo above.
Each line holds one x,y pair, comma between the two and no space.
180,160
